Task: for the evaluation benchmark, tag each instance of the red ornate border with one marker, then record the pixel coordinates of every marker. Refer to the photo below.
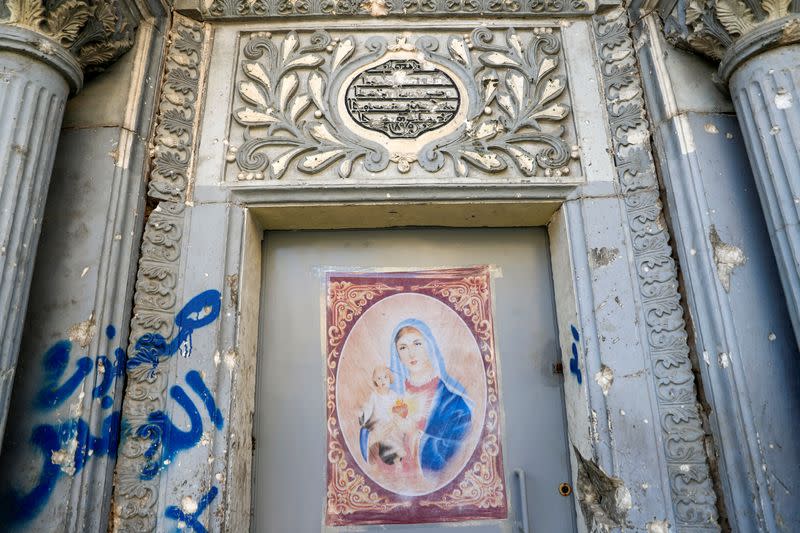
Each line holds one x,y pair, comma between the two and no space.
479,491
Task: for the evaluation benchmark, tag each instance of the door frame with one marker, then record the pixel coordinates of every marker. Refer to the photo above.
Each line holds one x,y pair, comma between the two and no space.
637,444
581,402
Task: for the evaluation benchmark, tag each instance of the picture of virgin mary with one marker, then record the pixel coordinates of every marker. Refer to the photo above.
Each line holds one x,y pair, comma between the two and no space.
418,415
414,419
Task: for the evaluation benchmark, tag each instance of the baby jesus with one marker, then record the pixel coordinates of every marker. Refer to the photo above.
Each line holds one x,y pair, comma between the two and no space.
383,421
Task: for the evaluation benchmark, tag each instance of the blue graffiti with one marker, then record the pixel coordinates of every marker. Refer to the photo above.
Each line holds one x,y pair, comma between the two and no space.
192,520
574,367
53,439
110,373
55,363
166,435
199,312
56,442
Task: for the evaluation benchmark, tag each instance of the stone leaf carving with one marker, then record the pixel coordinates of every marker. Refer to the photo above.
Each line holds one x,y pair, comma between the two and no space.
521,80
518,113
156,302
96,32
693,497
380,8
710,27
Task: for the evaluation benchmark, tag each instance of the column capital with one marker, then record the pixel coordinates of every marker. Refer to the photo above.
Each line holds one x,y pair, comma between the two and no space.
93,32
731,31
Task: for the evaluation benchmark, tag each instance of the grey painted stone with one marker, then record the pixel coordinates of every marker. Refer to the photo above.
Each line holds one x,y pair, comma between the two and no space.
743,343
615,281
765,93
82,283
35,78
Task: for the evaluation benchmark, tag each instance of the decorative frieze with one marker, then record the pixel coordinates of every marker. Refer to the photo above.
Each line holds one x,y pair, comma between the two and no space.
692,494
95,32
482,103
155,301
380,8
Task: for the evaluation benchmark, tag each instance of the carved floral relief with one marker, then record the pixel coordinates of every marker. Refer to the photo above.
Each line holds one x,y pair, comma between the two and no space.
382,8
95,32
476,104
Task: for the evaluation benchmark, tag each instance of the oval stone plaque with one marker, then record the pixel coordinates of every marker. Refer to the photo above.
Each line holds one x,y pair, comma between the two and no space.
402,98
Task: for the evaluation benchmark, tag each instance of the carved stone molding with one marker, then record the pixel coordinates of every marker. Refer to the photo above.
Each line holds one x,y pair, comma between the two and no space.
482,103
94,32
157,284
721,29
381,8
692,494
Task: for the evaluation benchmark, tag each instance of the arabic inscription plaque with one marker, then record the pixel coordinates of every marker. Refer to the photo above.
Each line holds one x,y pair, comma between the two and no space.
402,98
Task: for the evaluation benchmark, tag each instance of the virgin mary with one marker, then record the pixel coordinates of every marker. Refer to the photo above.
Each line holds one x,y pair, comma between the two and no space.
432,408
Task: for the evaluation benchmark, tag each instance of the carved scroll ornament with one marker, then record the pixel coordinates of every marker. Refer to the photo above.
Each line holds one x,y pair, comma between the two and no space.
476,102
381,8
684,452
95,32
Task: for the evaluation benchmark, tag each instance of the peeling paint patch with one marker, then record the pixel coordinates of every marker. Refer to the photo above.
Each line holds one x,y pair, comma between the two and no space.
230,358
605,378
711,128
188,504
233,286
726,256
604,500
658,526
82,333
724,360
790,32
65,457
783,100
638,136
376,8
600,257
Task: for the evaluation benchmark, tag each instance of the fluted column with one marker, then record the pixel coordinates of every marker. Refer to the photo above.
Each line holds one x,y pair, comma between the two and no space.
765,92
757,44
45,48
36,77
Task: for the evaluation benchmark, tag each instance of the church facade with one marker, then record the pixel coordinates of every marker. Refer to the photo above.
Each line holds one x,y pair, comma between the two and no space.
320,265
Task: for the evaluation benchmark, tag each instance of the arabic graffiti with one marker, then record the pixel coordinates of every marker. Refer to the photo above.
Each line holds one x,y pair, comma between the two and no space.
160,429
65,447
188,515
402,98
152,348
574,363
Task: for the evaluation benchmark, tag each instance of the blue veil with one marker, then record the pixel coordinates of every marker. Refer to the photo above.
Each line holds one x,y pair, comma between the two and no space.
400,371
452,412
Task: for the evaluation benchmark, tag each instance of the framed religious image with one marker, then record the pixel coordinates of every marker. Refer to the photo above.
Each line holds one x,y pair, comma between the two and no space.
413,408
